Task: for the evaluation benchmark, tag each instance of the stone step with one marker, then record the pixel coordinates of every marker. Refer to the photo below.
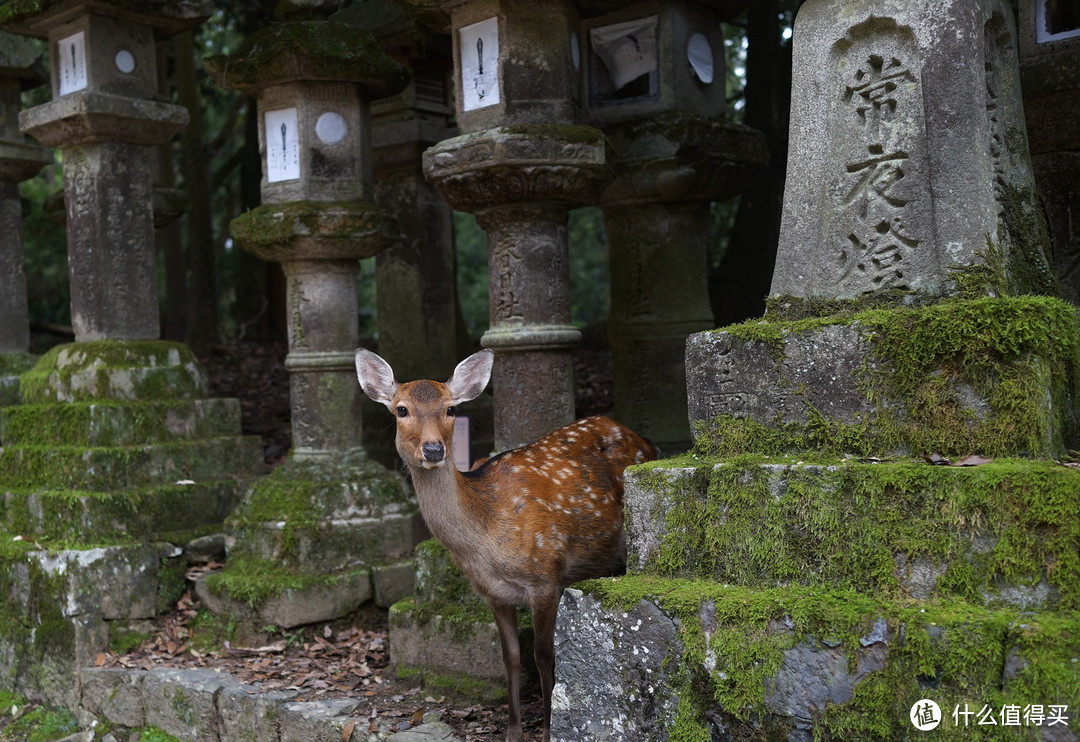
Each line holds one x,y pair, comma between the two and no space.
989,376
643,657
114,369
208,705
327,545
144,513
127,467
97,424
58,607
1003,533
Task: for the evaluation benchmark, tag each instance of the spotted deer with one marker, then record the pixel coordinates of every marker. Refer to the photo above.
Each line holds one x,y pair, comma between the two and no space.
525,524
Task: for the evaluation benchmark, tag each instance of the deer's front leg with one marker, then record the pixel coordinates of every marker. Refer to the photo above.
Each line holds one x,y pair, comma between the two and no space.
506,621
544,607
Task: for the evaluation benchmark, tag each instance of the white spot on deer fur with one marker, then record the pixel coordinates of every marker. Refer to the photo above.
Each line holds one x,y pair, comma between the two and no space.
539,541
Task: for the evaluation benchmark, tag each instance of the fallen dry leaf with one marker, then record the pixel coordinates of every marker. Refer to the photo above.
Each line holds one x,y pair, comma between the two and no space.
972,460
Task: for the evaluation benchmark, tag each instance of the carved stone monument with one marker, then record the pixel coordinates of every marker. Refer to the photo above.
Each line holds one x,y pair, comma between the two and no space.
893,193
20,69
329,512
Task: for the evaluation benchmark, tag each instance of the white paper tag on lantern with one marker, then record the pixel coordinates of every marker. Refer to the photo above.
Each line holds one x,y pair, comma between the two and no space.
480,64
71,53
282,145
699,52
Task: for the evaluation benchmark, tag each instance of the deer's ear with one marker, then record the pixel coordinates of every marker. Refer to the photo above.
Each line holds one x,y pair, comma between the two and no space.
376,377
471,376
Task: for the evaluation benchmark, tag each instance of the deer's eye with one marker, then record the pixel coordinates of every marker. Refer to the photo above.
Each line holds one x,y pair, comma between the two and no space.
451,411
402,411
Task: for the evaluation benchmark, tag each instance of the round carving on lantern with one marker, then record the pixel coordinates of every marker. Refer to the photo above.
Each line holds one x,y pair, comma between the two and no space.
700,54
125,61
331,127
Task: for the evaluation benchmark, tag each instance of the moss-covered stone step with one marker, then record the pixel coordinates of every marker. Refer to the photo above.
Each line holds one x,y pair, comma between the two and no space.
144,513
996,376
13,365
114,369
119,423
649,658
326,516
126,467
1005,532
328,545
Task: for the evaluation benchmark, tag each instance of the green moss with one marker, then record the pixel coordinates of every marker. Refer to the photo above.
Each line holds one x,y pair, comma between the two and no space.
952,652
41,725
850,524
270,231
124,639
926,367
19,10
153,734
309,50
458,685
254,581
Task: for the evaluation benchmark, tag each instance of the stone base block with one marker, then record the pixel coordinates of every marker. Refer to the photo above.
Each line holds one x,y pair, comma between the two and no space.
990,376
114,369
456,651
1002,533
285,600
654,659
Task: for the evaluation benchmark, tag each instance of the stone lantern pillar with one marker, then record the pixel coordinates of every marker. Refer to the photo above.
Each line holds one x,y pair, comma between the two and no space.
522,162
20,69
313,81
1049,41
105,116
654,82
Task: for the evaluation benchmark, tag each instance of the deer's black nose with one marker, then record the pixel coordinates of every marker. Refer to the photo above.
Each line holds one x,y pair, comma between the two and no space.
434,452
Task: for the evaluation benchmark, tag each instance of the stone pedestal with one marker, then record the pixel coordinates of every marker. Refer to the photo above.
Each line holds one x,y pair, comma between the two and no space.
329,516
20,69
1049,60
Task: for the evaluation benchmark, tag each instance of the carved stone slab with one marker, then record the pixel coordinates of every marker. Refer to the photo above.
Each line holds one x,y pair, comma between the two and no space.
909,154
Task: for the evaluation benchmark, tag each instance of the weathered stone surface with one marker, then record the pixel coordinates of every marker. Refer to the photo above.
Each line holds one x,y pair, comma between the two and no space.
308,230
103,370
876,527
613,671
318,603
520,164
393,582
315,721
910,381
249,715
726,663
115,695
95,424
906,168
183,702
434,731
166,18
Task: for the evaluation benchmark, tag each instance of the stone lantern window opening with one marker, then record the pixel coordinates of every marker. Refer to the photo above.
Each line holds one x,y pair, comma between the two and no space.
431,89
1057,19
624,62
480,64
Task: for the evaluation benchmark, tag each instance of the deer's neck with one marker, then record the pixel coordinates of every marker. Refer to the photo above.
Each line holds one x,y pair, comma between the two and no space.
445,497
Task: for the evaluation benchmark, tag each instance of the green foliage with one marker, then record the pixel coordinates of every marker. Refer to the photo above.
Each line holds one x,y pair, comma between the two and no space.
40,724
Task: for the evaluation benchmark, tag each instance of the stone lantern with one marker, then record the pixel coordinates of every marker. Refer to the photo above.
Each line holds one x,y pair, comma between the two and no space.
654,82
20,69
1049,41
104,116
522,162
313,81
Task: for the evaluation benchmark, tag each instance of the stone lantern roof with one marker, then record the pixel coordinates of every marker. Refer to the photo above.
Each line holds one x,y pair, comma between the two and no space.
166,17
309,50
